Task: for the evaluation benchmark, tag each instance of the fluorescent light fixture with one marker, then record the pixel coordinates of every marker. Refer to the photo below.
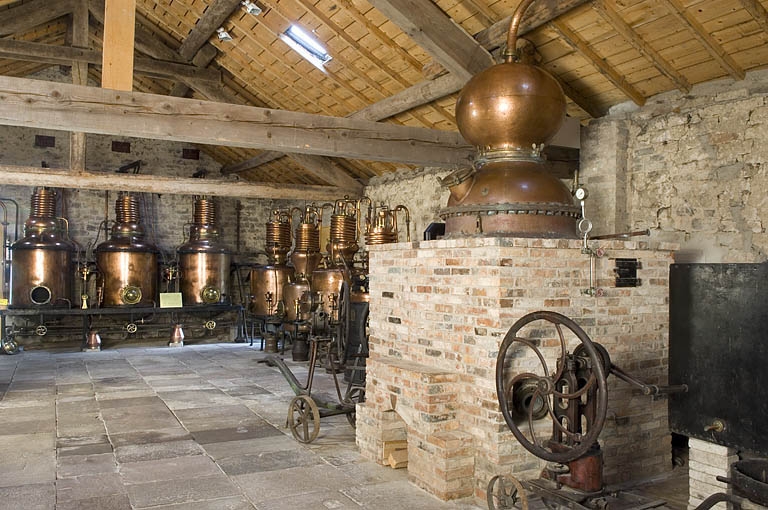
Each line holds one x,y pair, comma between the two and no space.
251,8
306,46
223,35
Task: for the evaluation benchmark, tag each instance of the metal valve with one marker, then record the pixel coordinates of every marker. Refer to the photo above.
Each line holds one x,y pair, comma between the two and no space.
41,330
717,425
131,327
210,325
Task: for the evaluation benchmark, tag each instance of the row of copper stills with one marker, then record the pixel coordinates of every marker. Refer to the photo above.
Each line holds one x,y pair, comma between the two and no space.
47,265
320,296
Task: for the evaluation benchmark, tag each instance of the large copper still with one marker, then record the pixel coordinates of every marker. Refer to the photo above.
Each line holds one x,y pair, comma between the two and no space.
267,282
204,261
42,268
305,258
509,111
127,264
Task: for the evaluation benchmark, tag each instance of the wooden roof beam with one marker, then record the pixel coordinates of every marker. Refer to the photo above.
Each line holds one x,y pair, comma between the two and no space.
645,49
56,178
448,43
64,55
710,44
31,14
215,15
46,105
117,49
581,47
758,13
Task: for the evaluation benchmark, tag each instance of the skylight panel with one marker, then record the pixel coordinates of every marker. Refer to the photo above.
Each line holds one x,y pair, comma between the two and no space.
306,46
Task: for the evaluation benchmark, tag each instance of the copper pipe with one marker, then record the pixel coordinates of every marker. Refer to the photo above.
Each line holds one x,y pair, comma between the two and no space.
514,26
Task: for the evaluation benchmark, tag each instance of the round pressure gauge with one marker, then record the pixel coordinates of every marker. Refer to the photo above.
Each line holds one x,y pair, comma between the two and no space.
580,193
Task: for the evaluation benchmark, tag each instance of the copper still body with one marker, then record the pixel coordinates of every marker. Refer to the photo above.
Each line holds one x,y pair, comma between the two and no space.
326,287
509,111
127,265
204,261
267,282
42,267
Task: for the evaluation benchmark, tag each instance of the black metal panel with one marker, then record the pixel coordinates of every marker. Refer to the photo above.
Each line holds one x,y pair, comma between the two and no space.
718,346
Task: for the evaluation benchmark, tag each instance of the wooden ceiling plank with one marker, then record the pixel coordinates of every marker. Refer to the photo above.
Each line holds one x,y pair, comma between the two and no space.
758,13
31,14
701,34
307,4
579,45
379,34
37,52
439,35
117,53
22,176
80,39
645,49
215,15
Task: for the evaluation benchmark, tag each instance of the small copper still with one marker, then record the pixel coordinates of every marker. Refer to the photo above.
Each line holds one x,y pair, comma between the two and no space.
509,111
42,267
267,281
127,264
203,260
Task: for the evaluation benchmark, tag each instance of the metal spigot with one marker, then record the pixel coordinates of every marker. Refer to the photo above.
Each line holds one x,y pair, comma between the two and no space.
717,425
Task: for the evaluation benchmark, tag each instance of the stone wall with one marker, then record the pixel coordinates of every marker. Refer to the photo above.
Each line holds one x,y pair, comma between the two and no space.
419,190
691,167
439,310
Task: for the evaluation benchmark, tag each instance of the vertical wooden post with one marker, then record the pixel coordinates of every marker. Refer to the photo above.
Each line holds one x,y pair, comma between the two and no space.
119,29
80,34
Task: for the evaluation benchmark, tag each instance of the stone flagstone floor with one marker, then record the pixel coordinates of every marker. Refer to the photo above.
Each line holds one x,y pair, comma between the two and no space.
200,427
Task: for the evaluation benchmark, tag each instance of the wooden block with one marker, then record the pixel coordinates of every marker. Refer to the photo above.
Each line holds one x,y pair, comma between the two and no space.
398,459
391,446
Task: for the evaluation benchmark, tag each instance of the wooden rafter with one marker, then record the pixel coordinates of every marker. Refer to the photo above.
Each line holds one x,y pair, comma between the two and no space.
31,14
645,49
441,37
758,13
702,35
117,51
579,45
55,178
45,105
214,17
80,39
37,52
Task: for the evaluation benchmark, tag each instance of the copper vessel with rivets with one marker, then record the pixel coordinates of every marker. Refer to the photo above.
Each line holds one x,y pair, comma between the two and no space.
509,111
42,267
127,264
326,290
203,260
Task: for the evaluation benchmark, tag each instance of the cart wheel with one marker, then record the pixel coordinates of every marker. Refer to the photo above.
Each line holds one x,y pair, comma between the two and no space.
355,396
304,419
502,493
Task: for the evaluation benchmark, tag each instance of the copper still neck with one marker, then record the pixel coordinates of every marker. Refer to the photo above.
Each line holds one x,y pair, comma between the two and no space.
278,242
306,254
514,27
42,215
127,217
204,224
